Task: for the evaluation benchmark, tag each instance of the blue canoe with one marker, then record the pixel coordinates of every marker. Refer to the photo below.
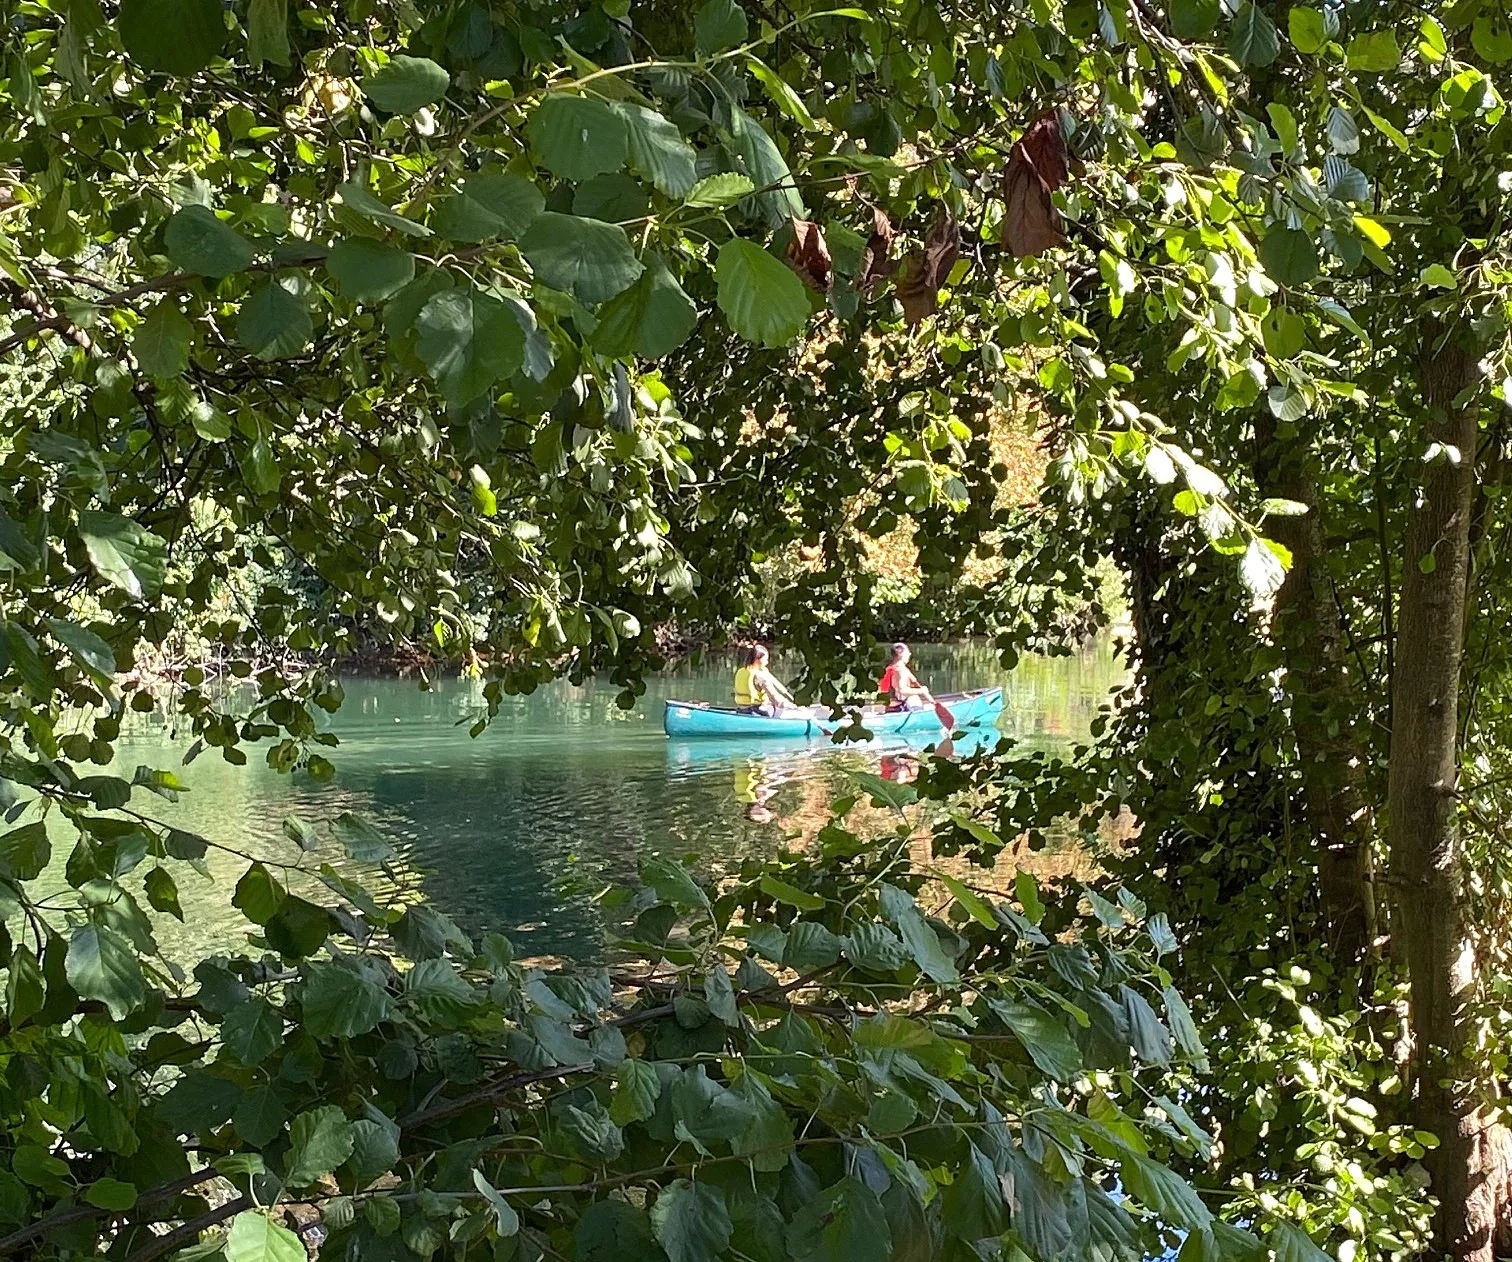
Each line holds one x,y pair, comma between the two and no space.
699,718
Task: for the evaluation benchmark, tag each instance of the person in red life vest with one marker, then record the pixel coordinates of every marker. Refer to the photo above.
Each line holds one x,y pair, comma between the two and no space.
899,686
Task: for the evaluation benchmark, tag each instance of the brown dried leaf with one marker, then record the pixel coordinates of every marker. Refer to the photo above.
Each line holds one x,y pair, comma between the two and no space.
1031,224
875,265
1044,148
809,256
1037,166
926,270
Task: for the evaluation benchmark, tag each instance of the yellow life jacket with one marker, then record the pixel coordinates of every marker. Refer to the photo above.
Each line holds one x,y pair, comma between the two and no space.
747,690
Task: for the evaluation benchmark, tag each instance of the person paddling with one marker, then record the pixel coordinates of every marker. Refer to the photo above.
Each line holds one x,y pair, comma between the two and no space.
900,686
757,690
903,691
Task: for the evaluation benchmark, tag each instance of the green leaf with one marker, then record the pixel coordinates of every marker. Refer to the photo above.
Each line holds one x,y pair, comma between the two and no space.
1149,1038
111,1194
1162,1190
810,946
719,24
614,198
1253,39
1184,1028
363,202
255,1238
268,33
589,259
199,242
578,137
1261,570
1283,332
1343,132
363,842
1026,890
767,1137
875,948
657,150
782,892
1292,1244
320,1140
491,204
273,322
1438,276
973,1205
178,37
972,904
375,1147
91,652
161,342
1045,1038
768,169
299,928
691,1221
469,341
636,1088
506,1221
719,994
672,883
253,1030
162,892
25,852
259,1116
341,1004
614,1231
724,189
258,895
783,96
844,1223
123,553
1289,256
1161,935
368,271
918,935
1376,51
650,319
762,298
1307,29
406,84
1193,19
103,965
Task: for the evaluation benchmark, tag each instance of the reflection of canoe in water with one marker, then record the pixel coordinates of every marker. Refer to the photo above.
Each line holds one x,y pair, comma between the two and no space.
794,755
699,718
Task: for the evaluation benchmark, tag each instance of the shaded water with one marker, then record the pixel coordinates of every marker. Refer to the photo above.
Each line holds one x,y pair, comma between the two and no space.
517,830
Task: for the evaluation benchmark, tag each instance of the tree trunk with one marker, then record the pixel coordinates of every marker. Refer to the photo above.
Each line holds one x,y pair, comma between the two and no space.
1307,628
1428,869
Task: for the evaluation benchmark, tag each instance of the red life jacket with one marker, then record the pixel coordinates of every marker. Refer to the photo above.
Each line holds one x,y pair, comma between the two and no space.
885,684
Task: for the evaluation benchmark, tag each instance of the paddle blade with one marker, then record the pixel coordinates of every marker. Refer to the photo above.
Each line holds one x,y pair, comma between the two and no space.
947,719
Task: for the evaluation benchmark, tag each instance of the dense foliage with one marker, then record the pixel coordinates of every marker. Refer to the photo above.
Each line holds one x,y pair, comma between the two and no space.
523,329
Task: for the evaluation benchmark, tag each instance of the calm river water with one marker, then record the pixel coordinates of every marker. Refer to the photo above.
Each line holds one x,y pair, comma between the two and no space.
517,830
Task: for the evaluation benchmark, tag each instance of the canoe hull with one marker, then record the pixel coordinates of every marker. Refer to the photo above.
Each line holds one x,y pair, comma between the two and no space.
699,719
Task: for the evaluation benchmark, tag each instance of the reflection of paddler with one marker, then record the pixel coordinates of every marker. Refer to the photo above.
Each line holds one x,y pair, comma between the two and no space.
901,768
753,786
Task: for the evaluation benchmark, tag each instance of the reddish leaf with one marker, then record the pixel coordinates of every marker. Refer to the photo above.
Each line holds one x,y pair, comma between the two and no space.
1044,148
875,265
809,256
1037,166
927,269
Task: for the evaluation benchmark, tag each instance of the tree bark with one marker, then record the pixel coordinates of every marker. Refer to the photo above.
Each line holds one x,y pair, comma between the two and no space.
1470,1168
1307,628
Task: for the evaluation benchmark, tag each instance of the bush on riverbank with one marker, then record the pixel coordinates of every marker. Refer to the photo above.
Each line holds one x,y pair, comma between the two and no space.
827,1056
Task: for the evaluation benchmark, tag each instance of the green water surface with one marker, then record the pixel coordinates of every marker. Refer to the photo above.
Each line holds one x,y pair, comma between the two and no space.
517,830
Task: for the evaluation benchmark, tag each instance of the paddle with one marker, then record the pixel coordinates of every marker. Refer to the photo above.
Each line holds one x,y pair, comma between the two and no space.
947,719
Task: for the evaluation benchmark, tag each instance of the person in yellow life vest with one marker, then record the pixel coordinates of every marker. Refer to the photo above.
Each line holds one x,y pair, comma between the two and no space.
757,690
